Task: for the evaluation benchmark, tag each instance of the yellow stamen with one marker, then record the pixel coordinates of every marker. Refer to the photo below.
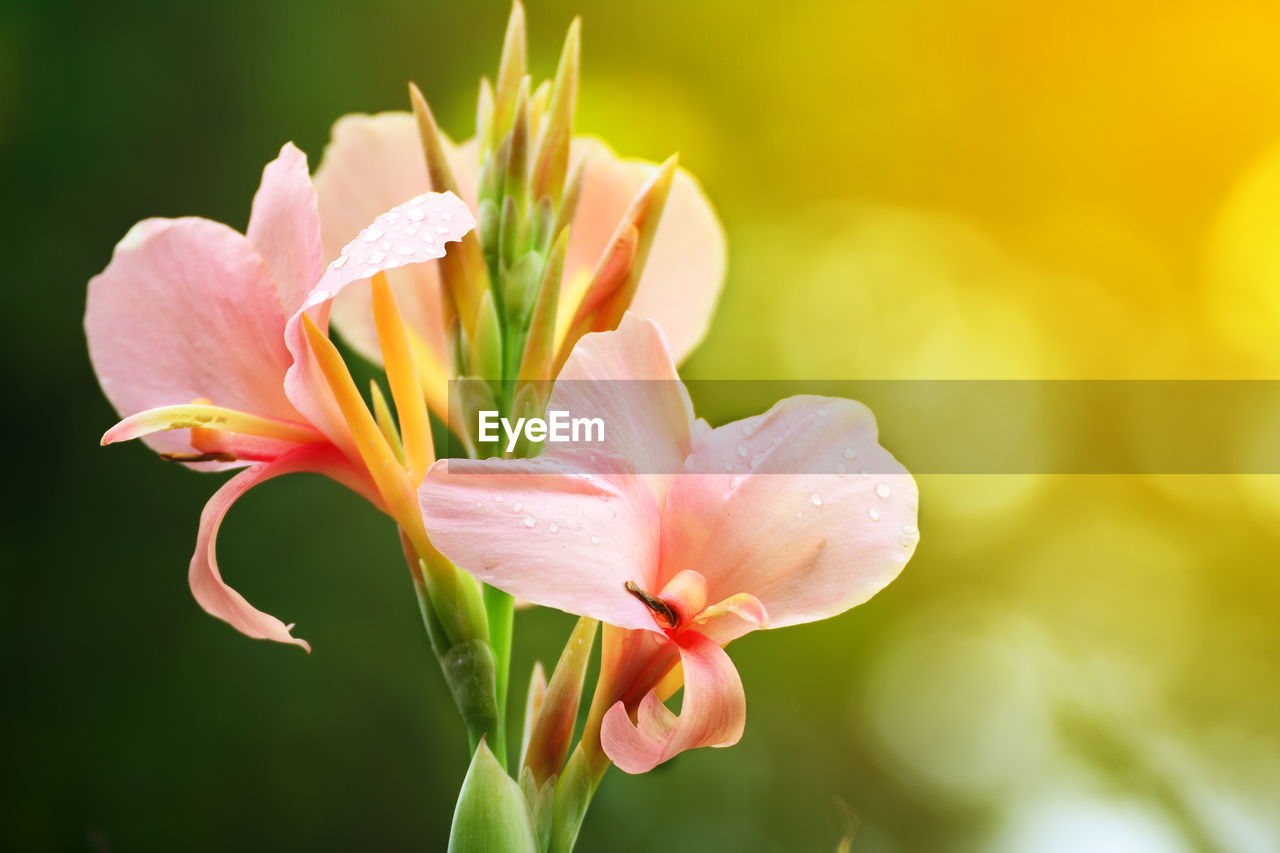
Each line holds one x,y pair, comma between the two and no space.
402,376
203,416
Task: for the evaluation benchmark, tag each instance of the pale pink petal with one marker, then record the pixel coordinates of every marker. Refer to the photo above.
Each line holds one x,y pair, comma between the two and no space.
543,531
186,310
284,226
410,233
713,712
626,378
814,518
371,163
210,590
687,263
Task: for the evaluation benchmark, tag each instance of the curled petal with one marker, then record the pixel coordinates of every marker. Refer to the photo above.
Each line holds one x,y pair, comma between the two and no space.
210,590
713,712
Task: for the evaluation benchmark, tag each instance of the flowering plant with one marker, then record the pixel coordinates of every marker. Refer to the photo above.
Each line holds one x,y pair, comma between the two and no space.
545,274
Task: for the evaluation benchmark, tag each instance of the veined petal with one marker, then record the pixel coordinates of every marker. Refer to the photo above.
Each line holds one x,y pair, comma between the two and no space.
806,543
544,531
210,590
372,163
284,227
687,262
188,310
713,712
626,378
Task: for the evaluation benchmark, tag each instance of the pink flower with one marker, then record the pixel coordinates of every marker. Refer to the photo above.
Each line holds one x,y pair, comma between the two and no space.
209,344
682,537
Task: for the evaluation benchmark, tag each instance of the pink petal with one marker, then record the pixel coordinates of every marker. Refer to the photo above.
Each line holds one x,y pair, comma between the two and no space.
543,531
687,262
210,590
713,712
806,543
372,163
627,379
185,310
407,234
284,226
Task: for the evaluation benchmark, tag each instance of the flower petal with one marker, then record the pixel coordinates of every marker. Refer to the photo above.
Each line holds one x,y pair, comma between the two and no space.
408,234
210,590
188,310
627,379
543,531
806,543
713,712
284,226
372,163
686,265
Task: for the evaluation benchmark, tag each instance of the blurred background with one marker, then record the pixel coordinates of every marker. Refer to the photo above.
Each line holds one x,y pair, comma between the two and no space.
912,190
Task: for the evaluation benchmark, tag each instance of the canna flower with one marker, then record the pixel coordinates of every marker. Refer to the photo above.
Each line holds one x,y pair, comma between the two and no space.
210,344
570,235
682,538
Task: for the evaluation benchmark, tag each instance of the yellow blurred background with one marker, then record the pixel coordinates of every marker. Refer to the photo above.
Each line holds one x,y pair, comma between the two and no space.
912,190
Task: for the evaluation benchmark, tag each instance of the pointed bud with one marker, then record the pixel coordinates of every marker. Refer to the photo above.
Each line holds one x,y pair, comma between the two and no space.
574,789
463,274
516,183
527,404
511,70
509,228
521,287
468,396
552,161
539,346
532,705
613,285
492,815
538,103
568,206
490,227
549,743
541,799
484,117
485,358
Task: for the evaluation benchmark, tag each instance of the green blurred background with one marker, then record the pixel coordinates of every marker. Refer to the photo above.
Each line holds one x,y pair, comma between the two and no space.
913,189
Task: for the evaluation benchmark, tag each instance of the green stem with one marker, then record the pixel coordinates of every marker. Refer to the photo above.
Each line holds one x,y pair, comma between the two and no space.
500,608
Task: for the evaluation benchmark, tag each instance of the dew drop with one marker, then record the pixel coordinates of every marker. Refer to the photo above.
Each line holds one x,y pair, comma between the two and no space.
447,217
377,257
815,499
909,529
418,199
874,513
416,215
841,469
373,235
442,229
339,263
742,450
863,473
882,490
479,504
595,540
517,506
404,250
748,428
555,528
499,499
728,466
430,238
530,521
385,246
850,453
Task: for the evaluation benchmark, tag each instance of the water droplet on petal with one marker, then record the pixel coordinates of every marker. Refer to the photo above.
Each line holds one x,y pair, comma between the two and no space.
377,257
747,429
499,499
595,540
728,466
841,469
874,513
882,489
416,215
447,217
385,246
372,235
339,263
742,451
442,229
909,529
555,528
418,199
429,238
530,521
517,506
404,250
864,473
815,499
822,413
